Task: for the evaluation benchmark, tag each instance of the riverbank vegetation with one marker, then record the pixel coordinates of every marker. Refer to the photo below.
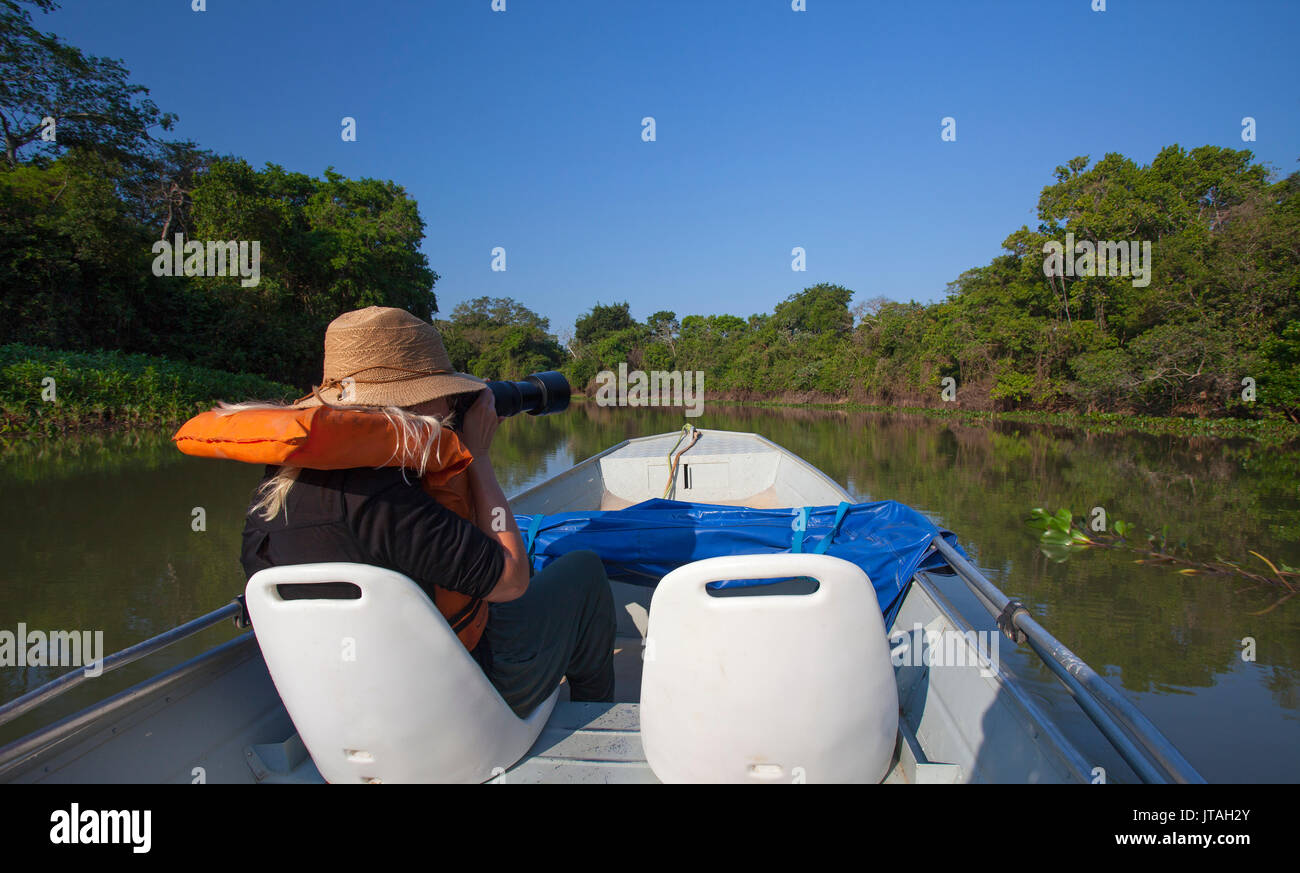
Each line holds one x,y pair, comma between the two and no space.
47,392
1205,328
1211,330
88,191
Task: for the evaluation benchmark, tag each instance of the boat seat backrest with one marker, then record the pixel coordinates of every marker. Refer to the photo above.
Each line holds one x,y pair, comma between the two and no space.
768,688
376,682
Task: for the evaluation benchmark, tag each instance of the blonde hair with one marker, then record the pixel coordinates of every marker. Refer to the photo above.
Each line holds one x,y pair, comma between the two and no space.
417,437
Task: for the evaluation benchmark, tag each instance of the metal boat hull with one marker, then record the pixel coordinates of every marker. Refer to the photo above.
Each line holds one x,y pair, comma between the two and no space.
217,718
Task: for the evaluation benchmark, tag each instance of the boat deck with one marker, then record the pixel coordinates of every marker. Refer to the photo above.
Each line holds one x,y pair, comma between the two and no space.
586,743
601,742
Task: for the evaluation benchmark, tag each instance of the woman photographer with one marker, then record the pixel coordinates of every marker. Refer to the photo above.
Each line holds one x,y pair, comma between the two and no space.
454,535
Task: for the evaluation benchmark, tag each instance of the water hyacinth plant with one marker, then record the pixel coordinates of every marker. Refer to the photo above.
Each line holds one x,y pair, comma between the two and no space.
1061,536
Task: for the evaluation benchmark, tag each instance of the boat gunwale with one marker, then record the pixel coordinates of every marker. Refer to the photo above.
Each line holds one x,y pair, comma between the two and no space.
27,751
1070,754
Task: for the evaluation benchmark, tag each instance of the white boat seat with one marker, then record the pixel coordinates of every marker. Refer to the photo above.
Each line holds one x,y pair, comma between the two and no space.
378,686
769,688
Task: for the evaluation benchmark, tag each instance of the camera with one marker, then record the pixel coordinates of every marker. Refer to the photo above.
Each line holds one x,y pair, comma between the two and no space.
544,393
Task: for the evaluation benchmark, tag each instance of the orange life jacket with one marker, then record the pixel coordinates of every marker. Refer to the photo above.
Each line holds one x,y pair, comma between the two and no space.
323,438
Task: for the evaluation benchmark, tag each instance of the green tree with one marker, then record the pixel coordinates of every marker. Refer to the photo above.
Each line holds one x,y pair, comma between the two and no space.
499,338
90,99
602,321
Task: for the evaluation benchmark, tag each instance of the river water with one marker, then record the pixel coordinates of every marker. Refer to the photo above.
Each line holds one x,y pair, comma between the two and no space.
101,538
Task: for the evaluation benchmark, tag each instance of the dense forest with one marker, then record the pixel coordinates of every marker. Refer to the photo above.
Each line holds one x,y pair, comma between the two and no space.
89,184
82,206
1215,320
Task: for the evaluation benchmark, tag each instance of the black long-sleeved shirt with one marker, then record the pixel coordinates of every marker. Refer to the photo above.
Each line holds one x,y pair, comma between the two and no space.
376,517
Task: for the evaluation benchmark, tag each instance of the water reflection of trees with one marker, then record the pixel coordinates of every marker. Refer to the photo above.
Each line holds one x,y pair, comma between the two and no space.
43,458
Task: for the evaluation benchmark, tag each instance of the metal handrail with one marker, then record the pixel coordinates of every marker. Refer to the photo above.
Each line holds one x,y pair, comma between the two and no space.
19,753
26,703
1139,742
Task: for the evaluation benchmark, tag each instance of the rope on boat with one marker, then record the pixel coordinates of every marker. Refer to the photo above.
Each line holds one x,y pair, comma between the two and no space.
688,430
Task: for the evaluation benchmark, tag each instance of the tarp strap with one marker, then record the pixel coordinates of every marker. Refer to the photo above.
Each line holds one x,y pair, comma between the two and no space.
825,544
530,539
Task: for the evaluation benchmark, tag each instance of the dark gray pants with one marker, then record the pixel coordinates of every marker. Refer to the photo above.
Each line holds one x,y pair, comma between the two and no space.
562,626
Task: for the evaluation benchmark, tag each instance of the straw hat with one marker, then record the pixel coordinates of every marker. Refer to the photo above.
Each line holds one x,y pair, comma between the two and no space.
381,356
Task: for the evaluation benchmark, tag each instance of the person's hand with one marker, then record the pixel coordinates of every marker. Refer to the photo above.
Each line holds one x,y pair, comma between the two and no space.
480,423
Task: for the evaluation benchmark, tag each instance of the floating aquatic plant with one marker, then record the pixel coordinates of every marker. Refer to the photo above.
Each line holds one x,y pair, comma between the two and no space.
1061,536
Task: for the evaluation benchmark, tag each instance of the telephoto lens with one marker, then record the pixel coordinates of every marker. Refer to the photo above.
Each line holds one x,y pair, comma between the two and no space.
539,394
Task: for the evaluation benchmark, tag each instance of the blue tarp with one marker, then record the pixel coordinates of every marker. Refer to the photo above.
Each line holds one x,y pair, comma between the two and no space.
643,543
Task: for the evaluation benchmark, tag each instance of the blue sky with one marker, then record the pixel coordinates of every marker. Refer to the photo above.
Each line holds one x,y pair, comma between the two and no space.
774,128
